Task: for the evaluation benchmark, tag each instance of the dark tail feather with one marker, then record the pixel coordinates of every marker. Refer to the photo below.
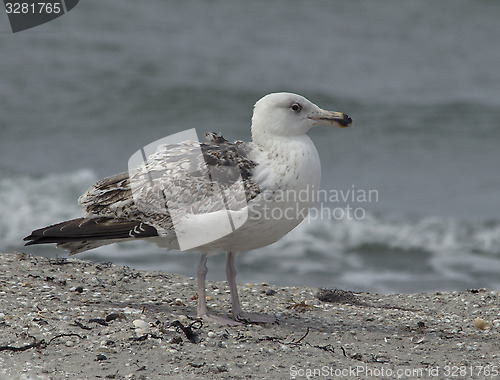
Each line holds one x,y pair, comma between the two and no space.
90,229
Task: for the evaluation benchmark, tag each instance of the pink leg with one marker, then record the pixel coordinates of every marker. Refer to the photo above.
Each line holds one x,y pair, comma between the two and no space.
202,298
238,313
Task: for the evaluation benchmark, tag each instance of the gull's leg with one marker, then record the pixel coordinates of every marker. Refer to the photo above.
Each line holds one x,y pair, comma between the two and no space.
202,297
238,313
231,280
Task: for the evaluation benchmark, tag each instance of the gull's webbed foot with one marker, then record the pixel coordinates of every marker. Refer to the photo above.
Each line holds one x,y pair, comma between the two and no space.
224,321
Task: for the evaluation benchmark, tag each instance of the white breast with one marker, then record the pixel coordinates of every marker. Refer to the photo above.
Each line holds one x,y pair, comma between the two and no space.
289,171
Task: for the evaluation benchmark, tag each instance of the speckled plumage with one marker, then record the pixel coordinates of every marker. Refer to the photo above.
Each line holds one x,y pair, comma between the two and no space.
163,177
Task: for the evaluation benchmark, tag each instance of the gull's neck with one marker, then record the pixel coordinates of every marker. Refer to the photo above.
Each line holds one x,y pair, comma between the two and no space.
265,139
294,159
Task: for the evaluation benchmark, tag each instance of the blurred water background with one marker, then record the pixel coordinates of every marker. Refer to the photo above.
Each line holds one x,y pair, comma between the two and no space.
421,79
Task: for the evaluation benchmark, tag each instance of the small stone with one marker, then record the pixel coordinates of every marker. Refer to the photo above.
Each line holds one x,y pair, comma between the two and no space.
179,302
270,292
418,339
79,289
113,316
129,310
221,368
101,357
176,340
140,323
141,327
481,324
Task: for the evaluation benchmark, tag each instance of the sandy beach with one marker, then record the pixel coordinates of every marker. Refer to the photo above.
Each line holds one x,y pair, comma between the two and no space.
72,319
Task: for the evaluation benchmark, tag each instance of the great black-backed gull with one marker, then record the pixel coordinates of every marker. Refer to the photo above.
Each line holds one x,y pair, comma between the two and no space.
246,184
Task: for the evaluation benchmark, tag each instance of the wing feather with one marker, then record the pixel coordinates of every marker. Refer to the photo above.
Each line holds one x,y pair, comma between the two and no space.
176,176
85,229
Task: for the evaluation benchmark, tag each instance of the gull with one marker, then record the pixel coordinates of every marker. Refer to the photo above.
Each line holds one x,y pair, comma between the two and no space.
185,195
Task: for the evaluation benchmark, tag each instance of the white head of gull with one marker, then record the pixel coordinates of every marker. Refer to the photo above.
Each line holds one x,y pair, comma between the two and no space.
284,114
281,159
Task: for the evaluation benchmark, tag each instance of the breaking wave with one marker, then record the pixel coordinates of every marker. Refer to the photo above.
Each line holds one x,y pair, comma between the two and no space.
27,203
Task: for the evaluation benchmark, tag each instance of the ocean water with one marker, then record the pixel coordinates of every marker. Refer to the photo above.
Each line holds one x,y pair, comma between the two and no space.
420,79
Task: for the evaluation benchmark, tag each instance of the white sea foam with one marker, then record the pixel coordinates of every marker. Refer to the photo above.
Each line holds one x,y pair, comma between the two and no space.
27,203
431,234
385,254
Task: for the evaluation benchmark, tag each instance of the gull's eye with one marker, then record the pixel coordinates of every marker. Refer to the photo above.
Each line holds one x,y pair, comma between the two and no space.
296,107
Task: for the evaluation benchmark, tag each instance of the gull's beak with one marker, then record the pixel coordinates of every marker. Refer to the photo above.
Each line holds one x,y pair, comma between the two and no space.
331,117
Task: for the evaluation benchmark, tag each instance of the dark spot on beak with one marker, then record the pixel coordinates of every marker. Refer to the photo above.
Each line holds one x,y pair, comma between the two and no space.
345,121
